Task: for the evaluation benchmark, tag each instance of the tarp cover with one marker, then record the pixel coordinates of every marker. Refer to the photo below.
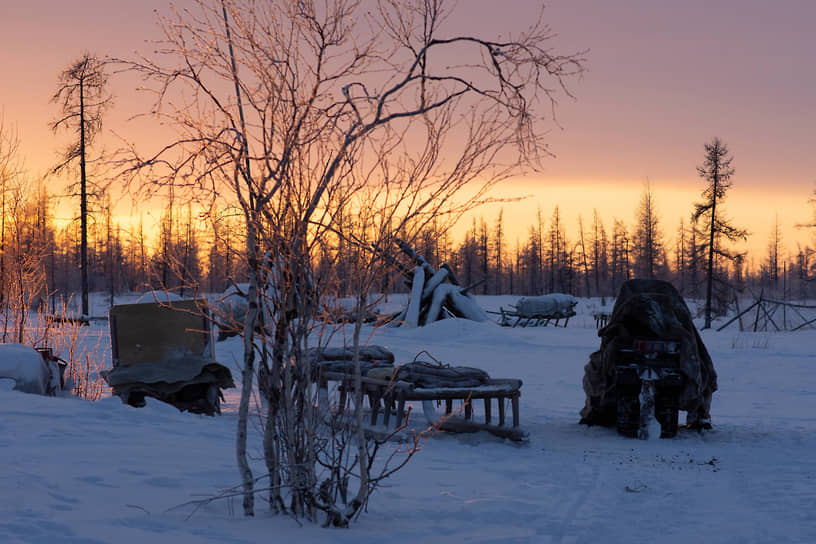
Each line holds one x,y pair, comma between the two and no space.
170,373
429,375
29,370
552,305
339,359
651,309
170,380
370,352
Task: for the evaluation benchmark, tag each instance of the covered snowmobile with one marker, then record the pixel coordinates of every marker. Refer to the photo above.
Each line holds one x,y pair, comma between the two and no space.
651,362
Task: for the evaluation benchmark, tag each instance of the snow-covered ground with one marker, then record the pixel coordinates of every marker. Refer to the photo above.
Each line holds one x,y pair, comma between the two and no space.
101,472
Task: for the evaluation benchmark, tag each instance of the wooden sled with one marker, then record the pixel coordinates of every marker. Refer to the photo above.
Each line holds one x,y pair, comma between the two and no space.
390,396
512,318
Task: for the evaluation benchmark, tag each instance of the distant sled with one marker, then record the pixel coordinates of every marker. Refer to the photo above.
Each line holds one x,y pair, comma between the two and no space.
539,311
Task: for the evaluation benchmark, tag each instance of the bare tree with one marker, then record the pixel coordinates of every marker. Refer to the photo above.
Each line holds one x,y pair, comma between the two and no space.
530,263
717,171
802,270
695,258
680,257
291,107
805,253
109,256
10,170
600,244
648,238
584,254
224,244
621,269
499,252
26,240
812,223
82,95
484,254
556,252
27,243
772,262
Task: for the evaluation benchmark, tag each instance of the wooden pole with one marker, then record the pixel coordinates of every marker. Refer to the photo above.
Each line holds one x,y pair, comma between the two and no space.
745,311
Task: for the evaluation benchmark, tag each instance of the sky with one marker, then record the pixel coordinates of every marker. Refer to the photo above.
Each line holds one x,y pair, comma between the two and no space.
662,79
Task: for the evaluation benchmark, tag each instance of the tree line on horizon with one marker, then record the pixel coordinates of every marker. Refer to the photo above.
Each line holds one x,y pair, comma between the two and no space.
41,264
195,253
596,257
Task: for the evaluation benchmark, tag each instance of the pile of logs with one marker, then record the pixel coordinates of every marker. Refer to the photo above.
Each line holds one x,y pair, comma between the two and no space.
435,294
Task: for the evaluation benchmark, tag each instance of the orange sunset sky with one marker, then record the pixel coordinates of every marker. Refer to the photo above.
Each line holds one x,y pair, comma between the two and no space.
663,79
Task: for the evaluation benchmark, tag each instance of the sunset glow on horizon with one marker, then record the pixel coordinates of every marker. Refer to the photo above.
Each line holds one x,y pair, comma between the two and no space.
751,208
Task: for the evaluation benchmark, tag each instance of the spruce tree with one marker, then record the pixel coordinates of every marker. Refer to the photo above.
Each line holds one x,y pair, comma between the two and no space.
717,171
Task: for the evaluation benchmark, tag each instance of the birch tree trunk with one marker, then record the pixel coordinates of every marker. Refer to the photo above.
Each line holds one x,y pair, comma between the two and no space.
248,371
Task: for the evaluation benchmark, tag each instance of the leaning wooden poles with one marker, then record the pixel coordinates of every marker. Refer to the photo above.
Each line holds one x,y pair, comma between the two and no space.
435,294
